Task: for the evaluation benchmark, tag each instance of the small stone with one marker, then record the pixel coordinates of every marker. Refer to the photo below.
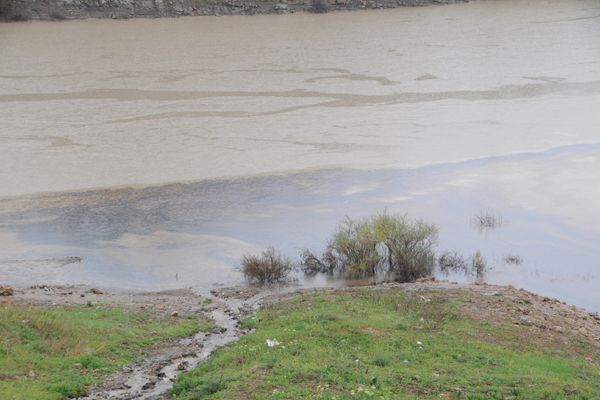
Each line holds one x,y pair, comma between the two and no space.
174,313
148,385
95,291
182,366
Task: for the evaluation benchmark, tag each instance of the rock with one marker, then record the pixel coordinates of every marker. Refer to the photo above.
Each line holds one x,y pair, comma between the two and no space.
182,366
174,313
148,385
6,291
95,291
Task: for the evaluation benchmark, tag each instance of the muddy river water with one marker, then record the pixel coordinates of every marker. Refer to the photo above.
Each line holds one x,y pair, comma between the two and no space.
160,151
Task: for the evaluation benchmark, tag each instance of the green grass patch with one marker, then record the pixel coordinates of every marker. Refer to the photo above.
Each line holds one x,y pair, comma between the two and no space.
57,353
384,344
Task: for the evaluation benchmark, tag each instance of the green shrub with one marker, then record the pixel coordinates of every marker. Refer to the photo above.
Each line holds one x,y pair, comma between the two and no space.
409,246
383,244
479,264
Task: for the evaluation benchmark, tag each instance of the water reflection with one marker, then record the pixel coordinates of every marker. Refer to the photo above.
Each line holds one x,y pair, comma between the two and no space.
195,233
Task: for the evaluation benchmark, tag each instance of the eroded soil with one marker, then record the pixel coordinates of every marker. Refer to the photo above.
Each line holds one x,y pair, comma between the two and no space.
548,320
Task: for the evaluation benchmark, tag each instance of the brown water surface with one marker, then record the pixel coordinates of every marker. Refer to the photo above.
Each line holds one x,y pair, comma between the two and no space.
439,111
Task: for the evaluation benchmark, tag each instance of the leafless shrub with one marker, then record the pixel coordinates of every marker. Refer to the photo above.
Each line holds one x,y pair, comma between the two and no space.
319,6
269,267
452,261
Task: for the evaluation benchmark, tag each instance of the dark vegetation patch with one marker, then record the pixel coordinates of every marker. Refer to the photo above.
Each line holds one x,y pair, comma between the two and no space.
386,245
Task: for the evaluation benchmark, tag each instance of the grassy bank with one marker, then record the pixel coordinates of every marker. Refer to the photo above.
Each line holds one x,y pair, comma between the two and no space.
54,353
392,344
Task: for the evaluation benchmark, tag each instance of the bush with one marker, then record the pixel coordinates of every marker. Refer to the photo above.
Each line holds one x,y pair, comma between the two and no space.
268,268
409,246
452,261
319,6
479,264
383,244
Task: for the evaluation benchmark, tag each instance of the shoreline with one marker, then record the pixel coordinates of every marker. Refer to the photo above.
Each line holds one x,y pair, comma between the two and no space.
156,371
54,10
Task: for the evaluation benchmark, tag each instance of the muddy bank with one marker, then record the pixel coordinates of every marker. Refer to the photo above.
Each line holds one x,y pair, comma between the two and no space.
23,10
150,378
153,375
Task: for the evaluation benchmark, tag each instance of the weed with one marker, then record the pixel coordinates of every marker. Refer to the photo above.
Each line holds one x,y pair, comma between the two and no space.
513,259
452,261
485,221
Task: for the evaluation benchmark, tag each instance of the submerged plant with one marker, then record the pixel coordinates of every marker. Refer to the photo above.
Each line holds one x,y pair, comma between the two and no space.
452,261
388,244
269,267
486,221
479,264
513,259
